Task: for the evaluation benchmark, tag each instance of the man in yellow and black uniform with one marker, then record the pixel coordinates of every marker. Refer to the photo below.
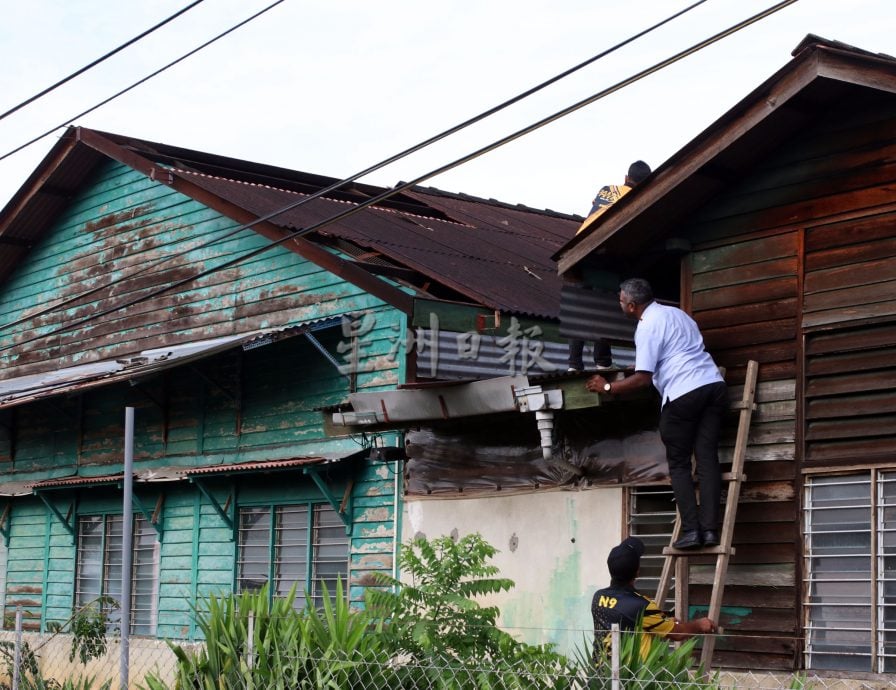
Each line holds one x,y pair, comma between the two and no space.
621,603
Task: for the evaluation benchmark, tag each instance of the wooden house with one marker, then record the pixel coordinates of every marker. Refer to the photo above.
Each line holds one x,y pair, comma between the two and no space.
216,298
776,229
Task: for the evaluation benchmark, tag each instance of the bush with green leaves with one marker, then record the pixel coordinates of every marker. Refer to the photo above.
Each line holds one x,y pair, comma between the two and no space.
334,647
87,627
662,667
434,610
435,618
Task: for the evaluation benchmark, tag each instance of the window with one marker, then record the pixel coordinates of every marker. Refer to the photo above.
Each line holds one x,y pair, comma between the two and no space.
651,519
99,569
275,547
850,571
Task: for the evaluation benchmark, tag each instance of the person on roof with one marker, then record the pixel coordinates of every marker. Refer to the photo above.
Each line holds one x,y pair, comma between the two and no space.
611,193
606,197
621,603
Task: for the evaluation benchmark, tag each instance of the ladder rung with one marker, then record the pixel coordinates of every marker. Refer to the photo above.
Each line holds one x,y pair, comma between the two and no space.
702,551
731,476
741,405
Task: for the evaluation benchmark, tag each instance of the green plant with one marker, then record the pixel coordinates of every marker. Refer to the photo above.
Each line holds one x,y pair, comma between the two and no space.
333,647
447,637
79,683
436,612
661,667
88,628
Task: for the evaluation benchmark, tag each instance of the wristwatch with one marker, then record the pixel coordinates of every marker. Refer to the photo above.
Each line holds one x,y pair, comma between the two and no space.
607,387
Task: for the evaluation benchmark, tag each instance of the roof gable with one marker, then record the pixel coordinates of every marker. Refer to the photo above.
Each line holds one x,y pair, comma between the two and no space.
429,237
822,73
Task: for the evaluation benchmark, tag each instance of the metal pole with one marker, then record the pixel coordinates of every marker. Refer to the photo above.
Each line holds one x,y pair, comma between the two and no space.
251,640
615,641
127,540
17,657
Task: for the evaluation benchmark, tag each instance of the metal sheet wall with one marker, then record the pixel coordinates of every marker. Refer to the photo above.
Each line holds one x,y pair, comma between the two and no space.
497,355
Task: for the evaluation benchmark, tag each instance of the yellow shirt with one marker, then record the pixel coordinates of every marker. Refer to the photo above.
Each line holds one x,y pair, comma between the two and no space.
606,197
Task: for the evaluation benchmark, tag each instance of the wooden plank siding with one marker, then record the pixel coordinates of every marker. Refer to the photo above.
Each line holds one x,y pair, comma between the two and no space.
30,525
126,222
803,246
236,406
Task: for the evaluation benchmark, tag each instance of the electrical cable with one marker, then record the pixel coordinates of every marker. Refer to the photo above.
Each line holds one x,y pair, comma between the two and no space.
373,168
433,173
143,80
99,60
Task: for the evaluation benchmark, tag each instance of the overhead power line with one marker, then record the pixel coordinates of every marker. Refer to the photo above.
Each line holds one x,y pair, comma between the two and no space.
99,60
387,161
433,173
141,81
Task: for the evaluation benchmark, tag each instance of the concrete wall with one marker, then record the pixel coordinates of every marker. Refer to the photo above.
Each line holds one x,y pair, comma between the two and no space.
553,545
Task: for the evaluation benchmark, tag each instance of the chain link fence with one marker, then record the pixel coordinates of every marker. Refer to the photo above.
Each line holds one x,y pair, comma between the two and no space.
37,661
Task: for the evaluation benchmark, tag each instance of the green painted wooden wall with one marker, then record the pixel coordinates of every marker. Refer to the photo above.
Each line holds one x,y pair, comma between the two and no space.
237,406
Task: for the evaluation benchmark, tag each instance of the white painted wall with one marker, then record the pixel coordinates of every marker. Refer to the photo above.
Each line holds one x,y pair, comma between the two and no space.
553,545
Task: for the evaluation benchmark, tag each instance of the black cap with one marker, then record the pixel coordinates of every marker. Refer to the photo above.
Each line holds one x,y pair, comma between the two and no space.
624,560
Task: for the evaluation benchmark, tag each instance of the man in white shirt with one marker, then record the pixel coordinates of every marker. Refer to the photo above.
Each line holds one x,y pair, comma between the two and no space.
670,354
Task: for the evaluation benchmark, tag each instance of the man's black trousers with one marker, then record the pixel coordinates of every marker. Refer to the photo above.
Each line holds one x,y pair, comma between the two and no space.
690,425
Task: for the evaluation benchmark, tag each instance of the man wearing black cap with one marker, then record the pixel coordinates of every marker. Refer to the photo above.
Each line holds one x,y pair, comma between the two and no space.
621,603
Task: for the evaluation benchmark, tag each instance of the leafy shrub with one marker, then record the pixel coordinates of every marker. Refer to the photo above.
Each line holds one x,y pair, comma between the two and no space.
330,648
661,668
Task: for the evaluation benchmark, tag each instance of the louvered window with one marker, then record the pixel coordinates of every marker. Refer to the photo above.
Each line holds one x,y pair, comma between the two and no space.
283,545
651,519
850,571
99,569
850,396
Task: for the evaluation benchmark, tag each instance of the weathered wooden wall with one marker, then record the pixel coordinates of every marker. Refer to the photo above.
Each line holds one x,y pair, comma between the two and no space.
123,225
801,249
236,406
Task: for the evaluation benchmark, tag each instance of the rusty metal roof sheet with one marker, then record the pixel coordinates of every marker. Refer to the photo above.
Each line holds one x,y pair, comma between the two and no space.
77,481
491,253
22,389
261,466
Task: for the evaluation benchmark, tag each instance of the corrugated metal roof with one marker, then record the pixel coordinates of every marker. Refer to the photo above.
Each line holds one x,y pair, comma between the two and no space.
494,254
167,474
492,358
258,466
77,481
22,389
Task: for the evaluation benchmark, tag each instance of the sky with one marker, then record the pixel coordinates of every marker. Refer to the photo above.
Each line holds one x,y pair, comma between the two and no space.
334,87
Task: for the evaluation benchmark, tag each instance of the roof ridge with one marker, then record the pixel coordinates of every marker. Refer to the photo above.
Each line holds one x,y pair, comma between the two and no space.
463,196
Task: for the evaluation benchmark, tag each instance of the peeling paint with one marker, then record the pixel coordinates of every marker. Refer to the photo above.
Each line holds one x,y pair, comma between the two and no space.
374,515
380,531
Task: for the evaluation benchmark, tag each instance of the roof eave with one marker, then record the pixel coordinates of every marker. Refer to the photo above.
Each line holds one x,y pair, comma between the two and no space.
765,102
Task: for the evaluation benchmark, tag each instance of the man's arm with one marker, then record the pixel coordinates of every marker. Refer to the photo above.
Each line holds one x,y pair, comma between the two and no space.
630,384
685,629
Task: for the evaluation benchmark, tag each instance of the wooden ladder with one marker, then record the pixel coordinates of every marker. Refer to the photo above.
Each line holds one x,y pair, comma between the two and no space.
678,558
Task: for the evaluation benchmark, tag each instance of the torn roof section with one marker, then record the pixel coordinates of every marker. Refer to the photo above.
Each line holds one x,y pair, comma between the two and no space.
437,244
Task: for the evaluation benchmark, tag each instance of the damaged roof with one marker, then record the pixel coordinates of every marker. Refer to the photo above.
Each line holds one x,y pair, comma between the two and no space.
821,74
450,246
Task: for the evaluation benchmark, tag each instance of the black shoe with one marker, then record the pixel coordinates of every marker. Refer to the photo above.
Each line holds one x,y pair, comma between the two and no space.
710,537
687,540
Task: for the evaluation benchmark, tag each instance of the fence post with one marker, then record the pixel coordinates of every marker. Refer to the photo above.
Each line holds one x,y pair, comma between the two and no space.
615,641
127,543
17,656
251,642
